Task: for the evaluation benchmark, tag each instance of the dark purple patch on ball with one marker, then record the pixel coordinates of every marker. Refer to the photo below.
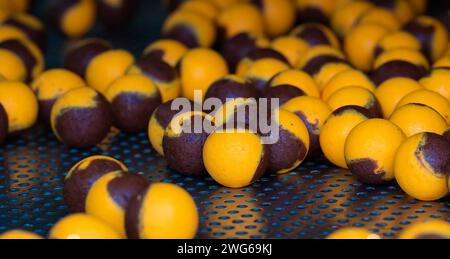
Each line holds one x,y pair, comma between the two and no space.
165,113
156,69
77,186
237,48
397,68
184,34
315,64
363,111
424,34
314,146
78,59
226,88
45,110
262,53
84,127
4,124
184,152
286,152
23,52
284,93
313,35
263,164
132,111
447,134
124,187
366,171
132,215
435,150
155,54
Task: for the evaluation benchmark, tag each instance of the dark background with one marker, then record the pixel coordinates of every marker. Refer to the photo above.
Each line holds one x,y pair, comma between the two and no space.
144,28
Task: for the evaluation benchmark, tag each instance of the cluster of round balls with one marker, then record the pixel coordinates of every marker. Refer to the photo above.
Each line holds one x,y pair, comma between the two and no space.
109,202
364,83
434,229
364,87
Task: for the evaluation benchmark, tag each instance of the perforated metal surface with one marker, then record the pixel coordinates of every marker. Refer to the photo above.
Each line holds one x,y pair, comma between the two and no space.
311,202
308,203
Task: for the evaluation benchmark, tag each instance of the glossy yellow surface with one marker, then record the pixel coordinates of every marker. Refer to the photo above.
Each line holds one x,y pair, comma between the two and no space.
434,227
29,20
173,50
266,68
8,32
85,163
403,11
36,53
82,226
205,8
232,158
414,119
168,212
135,84
231,19
20,104
279,16
156,134
20,5
392,91
419,6
443,62
353,233
381,17
328,71
409,55
199,69
352,95
291,47
111,65
399,39
54,83
316,112
360,44
431,99
438,81
19,234
202,27
345,79
12,68
101,205
345,17
377,140
79,18
334,133
413,173
299,79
